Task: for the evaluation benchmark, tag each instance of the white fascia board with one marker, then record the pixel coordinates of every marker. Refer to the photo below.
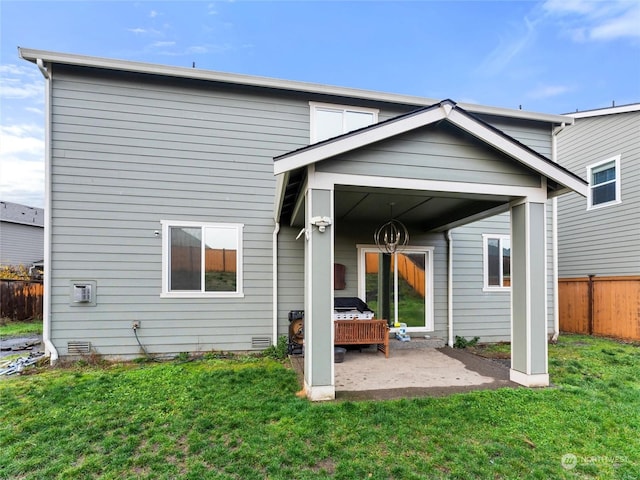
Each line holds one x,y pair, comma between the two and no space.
634,107
516,151
357,140
250,80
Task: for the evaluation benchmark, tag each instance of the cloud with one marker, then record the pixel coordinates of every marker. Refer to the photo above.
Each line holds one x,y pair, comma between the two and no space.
144,31
163,44
548,91
510,47
153,14
21,82
589,20
22,164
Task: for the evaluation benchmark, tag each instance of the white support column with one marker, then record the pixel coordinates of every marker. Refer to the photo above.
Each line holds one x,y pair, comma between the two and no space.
528,294
318,323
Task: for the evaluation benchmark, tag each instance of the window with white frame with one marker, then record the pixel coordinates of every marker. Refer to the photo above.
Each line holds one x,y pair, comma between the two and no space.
497,261
604,183
201,259
328,120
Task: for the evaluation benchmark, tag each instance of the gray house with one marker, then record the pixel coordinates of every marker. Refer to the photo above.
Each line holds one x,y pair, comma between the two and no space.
205,206
21,234
599,239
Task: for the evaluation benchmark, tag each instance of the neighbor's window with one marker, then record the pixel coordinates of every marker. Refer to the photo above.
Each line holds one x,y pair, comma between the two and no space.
604,183
328,120
202,259
497,261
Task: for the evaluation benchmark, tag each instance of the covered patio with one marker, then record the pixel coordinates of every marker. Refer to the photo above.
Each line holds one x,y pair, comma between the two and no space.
334,186
413,370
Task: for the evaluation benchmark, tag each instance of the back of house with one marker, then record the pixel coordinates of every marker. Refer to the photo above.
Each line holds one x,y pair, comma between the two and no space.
167,228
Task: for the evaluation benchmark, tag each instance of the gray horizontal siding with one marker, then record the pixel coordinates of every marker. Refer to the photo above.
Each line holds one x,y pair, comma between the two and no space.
535,135
603,241
424,153
125,157
20,244
480,313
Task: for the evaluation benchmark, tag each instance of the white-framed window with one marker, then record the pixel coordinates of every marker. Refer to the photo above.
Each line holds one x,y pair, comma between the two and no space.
497,262
604,183
329,120
201,259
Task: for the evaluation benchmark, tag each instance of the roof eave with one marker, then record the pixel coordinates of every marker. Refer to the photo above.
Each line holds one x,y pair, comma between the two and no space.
32,55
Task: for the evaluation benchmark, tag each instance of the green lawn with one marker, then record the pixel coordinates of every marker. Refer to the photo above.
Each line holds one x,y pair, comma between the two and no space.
10,328
240,419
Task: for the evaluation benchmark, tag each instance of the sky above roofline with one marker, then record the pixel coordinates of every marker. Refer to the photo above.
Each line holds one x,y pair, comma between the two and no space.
554,56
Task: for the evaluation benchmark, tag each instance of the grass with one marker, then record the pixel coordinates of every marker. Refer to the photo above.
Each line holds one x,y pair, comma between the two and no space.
10,328
239,419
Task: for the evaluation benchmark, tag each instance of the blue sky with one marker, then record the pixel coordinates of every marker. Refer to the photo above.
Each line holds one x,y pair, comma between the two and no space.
551,56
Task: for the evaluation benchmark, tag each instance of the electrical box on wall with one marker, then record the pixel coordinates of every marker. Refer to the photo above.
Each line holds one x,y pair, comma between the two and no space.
83,293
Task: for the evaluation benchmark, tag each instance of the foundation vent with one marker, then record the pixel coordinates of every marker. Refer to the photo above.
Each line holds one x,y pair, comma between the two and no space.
260,342
77,348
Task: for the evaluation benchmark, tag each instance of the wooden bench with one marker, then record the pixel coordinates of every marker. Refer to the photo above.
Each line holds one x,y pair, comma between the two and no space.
363,332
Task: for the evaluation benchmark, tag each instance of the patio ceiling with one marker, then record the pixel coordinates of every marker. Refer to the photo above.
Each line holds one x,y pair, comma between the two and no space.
419,210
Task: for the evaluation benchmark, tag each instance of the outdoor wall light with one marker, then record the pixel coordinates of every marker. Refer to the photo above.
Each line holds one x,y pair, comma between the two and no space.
321,222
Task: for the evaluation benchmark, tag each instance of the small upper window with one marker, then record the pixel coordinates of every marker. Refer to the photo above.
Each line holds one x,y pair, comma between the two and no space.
604,183
202,259
328,120
497,262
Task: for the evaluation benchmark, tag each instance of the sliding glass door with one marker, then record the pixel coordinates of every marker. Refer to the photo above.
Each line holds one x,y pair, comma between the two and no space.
398,287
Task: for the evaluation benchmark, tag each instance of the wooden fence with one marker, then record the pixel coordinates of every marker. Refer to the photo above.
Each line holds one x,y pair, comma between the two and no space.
20,299
407,269
607,306
216,260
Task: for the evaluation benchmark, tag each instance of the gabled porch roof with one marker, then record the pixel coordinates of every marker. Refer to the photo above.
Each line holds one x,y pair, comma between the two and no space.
292,166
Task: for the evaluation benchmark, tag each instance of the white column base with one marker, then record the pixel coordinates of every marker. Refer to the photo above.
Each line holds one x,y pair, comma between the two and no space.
533,380
320,393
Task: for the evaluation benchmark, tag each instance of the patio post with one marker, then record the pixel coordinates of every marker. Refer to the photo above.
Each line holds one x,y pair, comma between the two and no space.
528,295
318,323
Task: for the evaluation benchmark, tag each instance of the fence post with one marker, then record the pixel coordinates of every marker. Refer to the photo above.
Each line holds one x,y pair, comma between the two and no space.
591,309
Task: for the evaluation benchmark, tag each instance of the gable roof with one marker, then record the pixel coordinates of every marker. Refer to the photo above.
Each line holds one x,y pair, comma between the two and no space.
446,110
22,214
43,57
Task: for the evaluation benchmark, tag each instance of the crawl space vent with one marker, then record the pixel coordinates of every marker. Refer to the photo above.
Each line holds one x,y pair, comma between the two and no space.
76,348
260,342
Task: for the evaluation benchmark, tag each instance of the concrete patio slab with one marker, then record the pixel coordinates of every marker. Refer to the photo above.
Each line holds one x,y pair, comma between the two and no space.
411,372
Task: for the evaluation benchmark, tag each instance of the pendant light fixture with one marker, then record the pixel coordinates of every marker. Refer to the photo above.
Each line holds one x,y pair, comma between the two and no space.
392,236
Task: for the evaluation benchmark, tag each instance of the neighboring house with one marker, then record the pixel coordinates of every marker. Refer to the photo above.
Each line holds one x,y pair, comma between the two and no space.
206,206
600,237
21,234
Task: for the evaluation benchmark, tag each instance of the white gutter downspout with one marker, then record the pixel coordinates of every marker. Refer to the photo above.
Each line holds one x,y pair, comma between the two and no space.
554,240
274,243
50,349
450,289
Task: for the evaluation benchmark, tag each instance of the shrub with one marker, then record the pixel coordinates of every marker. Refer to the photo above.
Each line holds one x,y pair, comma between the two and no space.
462,342
279,351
